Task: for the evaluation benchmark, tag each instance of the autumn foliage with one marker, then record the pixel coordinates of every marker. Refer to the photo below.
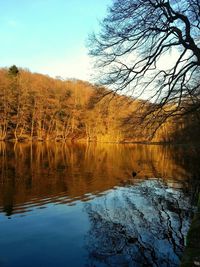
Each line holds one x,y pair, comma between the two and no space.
37,107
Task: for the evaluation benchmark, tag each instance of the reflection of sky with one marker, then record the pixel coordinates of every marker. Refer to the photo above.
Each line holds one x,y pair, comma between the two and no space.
48,36
43,218
52,236
61,235
157,218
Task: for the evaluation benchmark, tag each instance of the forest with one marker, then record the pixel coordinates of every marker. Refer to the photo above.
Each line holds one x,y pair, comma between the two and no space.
100,169
37,107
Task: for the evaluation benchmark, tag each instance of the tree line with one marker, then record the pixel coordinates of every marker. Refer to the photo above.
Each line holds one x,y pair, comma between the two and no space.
37,107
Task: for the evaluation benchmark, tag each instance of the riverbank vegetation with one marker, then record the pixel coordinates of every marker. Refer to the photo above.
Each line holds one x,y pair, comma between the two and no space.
37,107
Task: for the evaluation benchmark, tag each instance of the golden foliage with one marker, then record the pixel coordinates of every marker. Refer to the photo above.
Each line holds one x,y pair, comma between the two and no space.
37,107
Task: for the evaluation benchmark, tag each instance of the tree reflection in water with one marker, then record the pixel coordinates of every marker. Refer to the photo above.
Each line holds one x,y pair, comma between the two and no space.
142,225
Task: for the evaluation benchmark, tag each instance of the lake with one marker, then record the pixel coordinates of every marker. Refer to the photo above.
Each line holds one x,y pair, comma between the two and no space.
80,204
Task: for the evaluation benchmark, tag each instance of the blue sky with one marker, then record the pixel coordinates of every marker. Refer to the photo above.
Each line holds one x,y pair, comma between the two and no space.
49,36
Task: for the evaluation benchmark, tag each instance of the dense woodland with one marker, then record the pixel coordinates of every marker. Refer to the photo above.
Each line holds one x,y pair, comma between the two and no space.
37,107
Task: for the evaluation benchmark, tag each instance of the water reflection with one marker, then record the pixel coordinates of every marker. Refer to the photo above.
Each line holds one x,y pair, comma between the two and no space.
42,173
89,209
144,225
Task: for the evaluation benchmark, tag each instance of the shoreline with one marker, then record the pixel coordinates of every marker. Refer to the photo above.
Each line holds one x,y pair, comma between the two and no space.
78,141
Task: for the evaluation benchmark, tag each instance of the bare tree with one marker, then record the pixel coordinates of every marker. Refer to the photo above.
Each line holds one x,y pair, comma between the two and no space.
136,39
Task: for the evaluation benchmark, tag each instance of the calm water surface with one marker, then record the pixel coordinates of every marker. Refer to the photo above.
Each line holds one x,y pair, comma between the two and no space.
79,205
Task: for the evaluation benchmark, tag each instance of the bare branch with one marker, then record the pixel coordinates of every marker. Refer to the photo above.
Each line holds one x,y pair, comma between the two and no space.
136,38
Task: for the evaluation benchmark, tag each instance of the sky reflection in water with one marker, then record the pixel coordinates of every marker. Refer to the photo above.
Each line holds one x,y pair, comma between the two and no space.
64,205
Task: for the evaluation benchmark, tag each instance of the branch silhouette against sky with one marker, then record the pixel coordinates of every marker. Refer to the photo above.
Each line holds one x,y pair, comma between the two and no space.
150,49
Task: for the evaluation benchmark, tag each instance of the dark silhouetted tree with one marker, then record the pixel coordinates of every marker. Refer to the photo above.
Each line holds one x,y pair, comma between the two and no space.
136,39
13,70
